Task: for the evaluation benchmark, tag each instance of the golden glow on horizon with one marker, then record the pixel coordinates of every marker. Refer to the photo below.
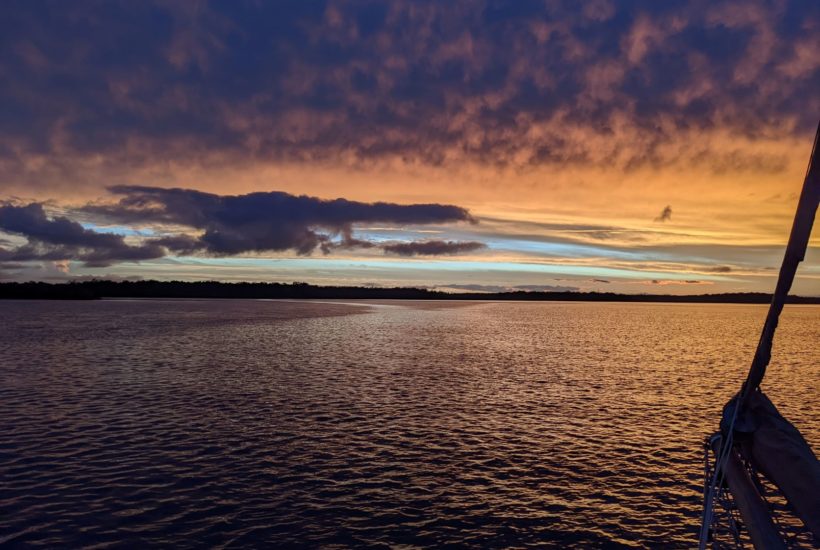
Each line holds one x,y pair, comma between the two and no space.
733,207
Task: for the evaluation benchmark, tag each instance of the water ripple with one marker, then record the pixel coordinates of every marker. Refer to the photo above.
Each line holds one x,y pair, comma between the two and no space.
242,423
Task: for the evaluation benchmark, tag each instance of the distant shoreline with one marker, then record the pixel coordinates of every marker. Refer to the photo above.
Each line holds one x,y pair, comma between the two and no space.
98,289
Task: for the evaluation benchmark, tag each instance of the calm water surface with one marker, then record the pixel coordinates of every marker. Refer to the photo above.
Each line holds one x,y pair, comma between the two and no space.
246,423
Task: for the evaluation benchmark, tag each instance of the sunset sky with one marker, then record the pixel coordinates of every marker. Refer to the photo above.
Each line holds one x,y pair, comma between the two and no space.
638,147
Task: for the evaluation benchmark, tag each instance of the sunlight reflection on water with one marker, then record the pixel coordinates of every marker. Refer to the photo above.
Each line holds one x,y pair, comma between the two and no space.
213,423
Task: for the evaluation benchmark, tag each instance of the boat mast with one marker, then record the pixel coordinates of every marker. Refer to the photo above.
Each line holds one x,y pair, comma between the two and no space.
795,252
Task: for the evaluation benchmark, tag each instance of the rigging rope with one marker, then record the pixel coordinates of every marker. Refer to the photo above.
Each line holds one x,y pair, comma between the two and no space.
795,252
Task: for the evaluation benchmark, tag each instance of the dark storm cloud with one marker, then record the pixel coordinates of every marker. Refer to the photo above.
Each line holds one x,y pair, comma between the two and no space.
269,221
226,225
482,80
59,238
432,247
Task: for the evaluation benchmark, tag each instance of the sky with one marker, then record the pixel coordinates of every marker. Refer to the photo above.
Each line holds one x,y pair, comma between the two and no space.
637,147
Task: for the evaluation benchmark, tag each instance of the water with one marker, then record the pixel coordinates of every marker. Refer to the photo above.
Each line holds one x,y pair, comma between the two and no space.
246,423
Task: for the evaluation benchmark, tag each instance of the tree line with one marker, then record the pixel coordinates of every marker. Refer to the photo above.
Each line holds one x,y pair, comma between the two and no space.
98,289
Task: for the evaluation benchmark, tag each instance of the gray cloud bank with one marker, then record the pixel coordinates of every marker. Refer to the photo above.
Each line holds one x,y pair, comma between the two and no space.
59,238
220,226
432,247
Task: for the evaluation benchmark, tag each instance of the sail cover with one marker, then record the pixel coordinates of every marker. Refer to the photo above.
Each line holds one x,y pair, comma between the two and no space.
780,452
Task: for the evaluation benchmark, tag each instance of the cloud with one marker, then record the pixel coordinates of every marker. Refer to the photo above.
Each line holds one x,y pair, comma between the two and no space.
665,215
60,239
576,113
664,282
148,83
272,221
432,247
63,266
514,288
215,225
